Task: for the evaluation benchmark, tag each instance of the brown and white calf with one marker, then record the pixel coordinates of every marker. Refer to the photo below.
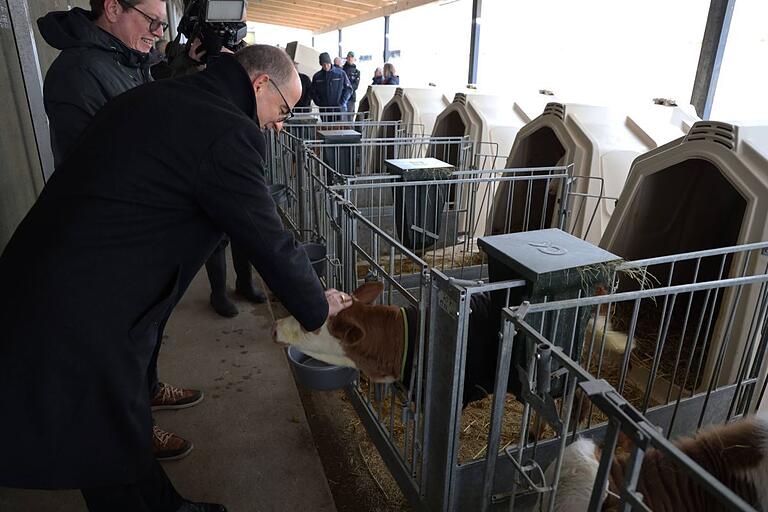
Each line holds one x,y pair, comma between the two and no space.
736,454
372,338
379,340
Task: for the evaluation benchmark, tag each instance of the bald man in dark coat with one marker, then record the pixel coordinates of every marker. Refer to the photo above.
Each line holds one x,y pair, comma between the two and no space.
109,248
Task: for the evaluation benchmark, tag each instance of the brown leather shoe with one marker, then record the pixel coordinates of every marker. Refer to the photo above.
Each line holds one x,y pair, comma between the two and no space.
169,446
171,397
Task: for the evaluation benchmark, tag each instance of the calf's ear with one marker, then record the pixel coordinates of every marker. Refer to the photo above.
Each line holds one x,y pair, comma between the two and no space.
346,329
368,292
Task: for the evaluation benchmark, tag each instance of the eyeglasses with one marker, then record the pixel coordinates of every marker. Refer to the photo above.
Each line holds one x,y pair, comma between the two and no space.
154,23
288,114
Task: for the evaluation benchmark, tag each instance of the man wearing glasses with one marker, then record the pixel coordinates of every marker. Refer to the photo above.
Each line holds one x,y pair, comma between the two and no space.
104,255
104,53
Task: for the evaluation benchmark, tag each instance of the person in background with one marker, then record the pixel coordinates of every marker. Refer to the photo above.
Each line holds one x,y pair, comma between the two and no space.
306,89
330,86
354,79
390,75
104,53
337,62
378,77
216,269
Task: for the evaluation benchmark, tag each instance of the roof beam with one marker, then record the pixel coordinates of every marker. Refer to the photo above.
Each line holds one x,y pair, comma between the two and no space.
368,4
313,5
385,10
293,12
281,20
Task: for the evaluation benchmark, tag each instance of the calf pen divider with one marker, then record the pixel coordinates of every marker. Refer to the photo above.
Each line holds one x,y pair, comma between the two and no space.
622,417
419,426
419,435
507,479
298,165
715,398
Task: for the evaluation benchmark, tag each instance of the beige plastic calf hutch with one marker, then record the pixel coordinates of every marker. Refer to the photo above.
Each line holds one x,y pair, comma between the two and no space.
491,122
306,58
374,100
706,190
601,143
416,108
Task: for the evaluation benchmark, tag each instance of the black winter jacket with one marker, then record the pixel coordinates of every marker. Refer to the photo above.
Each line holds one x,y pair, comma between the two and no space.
306,91
93,67
354,79
93,271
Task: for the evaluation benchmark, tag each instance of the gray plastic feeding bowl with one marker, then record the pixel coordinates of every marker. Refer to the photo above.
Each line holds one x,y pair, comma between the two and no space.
317,374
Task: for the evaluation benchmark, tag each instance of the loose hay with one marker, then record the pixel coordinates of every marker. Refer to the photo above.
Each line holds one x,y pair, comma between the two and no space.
373,465
445,258
476,418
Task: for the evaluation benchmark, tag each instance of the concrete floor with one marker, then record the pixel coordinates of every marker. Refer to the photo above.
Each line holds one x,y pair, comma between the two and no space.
253,447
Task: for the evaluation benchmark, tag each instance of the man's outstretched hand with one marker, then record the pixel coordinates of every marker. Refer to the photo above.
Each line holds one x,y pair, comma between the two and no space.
337,301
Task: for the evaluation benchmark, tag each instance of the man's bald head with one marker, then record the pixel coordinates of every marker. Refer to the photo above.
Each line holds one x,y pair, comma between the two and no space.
265,64
262,59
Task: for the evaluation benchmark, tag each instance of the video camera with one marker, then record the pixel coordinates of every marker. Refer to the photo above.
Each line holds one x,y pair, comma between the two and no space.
216,23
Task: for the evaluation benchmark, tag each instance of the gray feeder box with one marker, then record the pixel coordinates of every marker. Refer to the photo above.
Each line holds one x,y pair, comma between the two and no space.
302,127
555,266
341,159
419,209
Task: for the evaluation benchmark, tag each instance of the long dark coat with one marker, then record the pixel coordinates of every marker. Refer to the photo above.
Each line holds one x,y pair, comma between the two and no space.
105,253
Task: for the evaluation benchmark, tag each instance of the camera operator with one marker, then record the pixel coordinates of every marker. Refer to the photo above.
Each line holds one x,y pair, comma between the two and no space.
106,52
78,380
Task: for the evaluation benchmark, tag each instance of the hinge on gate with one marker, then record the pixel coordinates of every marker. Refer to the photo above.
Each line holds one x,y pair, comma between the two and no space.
520,311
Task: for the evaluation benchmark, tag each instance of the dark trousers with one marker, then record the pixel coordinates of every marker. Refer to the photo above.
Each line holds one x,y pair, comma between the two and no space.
153,379
351,110
216,267
153,493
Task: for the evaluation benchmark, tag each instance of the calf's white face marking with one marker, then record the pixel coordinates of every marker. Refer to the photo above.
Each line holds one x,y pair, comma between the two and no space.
322,345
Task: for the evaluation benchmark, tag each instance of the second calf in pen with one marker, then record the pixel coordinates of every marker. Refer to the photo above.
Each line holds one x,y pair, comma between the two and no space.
736,454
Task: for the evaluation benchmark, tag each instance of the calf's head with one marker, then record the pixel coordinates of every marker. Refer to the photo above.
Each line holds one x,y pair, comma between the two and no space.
365,336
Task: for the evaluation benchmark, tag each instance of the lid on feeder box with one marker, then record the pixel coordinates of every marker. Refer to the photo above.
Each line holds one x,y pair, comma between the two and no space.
404,166
301,120
339,136
535,253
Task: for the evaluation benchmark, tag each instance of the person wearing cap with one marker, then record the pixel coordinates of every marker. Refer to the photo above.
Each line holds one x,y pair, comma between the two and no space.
330,86
353,74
